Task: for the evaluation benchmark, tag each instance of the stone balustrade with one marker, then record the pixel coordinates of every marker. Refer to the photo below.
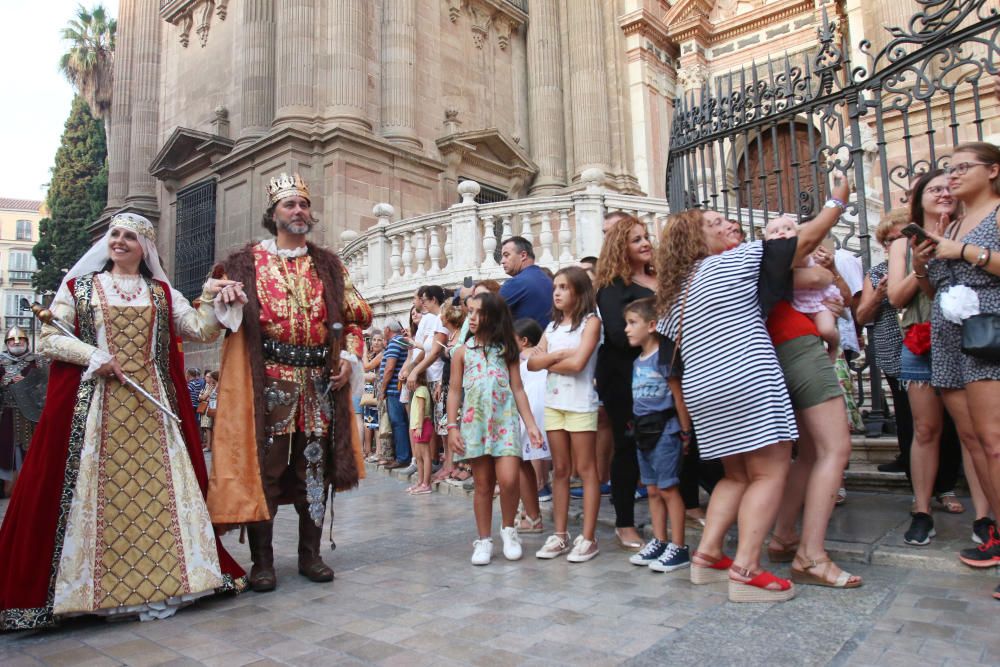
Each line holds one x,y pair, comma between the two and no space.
394,257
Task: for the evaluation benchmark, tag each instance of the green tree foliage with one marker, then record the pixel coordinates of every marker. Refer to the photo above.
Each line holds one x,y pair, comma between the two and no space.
76,197
89,62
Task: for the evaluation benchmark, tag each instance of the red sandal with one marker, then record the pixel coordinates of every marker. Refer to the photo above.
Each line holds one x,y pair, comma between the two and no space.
717,570
756,590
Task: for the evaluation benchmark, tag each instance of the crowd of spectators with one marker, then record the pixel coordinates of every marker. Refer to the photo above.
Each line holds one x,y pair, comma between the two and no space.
737,357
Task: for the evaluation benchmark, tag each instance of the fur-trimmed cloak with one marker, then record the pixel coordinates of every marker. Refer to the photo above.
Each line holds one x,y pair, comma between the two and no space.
235,493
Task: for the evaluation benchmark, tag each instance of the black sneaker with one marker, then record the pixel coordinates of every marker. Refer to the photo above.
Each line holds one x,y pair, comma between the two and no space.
985,555
921,530
981,529
896,466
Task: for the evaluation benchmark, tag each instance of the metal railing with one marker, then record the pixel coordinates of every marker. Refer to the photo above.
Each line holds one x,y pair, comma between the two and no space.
766,138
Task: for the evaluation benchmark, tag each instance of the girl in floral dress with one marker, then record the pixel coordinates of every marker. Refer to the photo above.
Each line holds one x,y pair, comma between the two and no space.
487,370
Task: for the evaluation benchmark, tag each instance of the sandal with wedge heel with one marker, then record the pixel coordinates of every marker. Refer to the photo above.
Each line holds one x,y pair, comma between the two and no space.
715,572
755,589
784,552
803,575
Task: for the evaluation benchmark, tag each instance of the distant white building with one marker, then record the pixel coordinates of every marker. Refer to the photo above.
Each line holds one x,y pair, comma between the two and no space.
18,235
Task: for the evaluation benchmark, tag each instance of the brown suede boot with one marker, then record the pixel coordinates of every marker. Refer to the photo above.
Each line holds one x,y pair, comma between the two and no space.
262,577
311,566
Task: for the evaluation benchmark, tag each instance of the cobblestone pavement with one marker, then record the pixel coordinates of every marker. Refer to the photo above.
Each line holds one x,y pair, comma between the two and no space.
405,594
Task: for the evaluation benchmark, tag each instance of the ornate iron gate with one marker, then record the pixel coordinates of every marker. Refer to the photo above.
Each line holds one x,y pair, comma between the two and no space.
765,138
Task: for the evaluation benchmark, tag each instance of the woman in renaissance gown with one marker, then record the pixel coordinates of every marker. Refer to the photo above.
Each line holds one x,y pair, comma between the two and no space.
110,517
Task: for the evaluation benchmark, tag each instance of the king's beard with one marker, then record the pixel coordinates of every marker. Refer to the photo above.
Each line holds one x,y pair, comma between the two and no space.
296,226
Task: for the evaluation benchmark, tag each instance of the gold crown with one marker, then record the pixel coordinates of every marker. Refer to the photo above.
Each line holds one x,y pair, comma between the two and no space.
286,186
135,223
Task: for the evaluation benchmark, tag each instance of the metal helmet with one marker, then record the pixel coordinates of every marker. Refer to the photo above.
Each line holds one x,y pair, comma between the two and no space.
15,333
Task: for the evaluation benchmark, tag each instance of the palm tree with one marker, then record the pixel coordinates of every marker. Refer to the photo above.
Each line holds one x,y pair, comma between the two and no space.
89,63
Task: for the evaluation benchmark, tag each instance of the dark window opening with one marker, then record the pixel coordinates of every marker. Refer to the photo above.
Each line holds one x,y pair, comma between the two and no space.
195,241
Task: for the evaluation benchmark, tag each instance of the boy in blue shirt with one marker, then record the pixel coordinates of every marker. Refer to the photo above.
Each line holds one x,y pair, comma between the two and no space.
659,424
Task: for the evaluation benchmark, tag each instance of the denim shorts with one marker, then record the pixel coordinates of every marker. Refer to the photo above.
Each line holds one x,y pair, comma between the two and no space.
915,368
661,465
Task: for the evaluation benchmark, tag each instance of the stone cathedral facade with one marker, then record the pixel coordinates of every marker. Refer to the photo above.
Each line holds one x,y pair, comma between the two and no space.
395,101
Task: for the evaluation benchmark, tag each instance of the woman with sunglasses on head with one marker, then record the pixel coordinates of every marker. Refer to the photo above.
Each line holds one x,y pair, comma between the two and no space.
935,450
967,253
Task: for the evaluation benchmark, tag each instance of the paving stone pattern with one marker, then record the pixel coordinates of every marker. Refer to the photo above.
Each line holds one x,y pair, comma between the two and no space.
405,594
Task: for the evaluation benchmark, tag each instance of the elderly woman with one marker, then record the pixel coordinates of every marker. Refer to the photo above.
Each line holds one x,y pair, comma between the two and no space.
712,299
112,518
962,254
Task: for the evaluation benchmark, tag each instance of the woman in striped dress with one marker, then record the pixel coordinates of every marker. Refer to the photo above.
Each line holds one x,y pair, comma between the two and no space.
713,297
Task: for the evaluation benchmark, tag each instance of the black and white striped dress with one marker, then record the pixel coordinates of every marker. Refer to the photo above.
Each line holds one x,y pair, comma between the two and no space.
732,382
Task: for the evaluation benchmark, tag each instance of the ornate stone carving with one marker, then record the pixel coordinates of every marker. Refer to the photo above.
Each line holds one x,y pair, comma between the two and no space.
481,20
451,121
186,22
182,13
454,9
692,77
204,23
504,27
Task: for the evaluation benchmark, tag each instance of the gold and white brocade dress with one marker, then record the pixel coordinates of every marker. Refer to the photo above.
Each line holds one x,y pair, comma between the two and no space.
138,538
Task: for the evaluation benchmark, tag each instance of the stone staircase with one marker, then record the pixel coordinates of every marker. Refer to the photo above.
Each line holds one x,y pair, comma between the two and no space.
863,474
866,455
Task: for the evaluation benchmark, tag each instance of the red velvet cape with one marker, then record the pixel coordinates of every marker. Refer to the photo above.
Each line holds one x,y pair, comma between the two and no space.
28,533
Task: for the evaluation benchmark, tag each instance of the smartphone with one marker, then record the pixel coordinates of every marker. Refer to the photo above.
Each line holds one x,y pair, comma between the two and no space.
915,231
468,281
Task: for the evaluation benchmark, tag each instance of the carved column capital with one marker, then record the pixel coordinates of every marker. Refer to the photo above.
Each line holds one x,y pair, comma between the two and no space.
692,77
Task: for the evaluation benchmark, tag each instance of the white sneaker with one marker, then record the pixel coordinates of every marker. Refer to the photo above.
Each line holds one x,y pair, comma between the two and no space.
408,470
511,543
554,547
482,551
583,550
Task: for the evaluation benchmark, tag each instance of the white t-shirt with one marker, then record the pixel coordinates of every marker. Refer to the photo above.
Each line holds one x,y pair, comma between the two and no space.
534,389
430,324
851,270
572,393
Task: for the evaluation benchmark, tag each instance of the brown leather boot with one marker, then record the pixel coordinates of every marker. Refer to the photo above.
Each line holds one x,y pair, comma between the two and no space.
262,577
311,566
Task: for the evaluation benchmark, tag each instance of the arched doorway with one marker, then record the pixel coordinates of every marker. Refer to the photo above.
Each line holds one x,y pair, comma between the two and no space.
778,155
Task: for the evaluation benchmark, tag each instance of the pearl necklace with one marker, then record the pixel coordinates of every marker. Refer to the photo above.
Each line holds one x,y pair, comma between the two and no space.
125,294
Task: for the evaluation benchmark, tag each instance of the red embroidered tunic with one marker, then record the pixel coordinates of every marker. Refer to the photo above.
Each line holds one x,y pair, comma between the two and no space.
292,310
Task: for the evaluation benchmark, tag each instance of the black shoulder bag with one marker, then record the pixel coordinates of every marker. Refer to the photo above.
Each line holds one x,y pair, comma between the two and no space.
980,333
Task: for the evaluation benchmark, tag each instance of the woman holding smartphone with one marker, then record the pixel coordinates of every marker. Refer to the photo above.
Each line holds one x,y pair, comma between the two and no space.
930,200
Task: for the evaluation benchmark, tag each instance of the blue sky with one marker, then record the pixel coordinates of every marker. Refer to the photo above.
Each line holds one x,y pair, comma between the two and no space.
35,96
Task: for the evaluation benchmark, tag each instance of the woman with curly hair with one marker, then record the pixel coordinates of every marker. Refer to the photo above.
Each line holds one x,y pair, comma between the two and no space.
624,274
712,298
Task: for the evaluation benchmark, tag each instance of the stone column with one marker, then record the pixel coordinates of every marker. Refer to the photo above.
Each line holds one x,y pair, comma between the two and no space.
257,71
347,104
295,20
144,105
545,99
119,125
399,77
588,87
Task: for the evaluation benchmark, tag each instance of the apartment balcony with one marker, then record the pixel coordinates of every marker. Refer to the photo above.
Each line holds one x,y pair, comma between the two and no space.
19,276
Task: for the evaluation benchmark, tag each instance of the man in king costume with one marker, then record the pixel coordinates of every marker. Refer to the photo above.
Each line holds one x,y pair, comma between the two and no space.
295,338
22,392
